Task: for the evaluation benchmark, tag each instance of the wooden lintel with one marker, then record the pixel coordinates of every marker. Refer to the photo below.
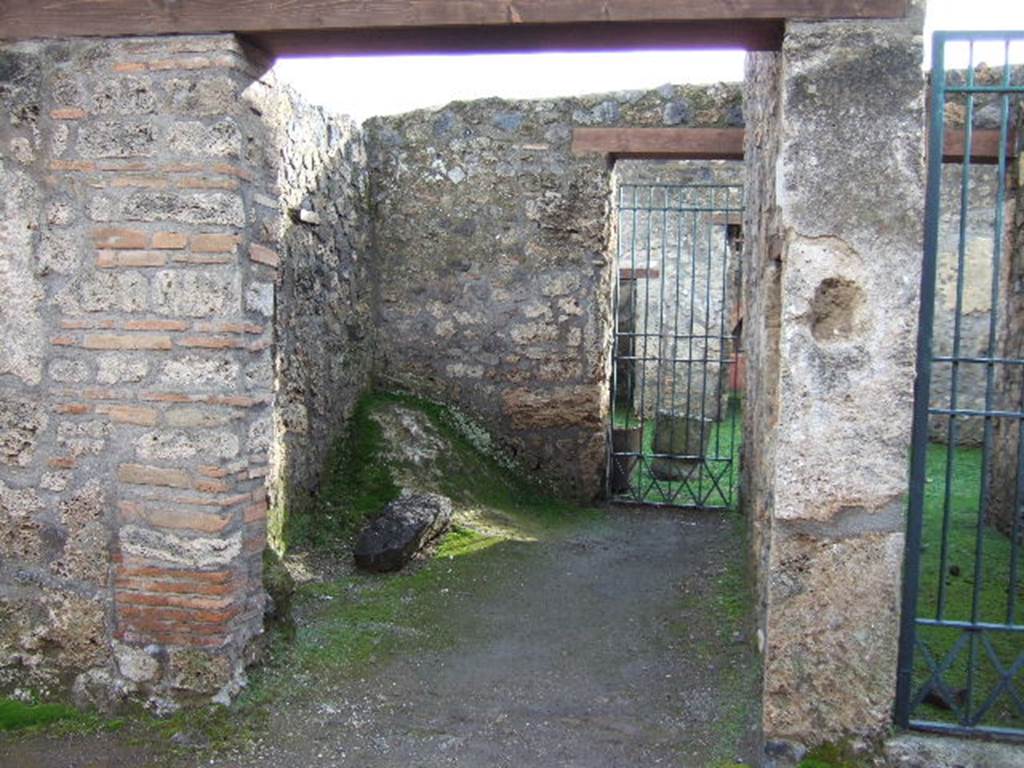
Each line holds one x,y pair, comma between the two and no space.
750,35
727,219
20,19
984,146
660,143
727,144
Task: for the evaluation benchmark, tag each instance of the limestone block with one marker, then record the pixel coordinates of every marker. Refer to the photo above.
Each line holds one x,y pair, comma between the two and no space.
833,622
124,95
184,207
117,368
201,96
21,424
193,552
221,139
20,316
197,293
117,138
180,444
200,372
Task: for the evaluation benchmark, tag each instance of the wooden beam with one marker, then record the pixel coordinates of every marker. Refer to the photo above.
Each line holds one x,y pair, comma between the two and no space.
984,146
757,35
727,144
59,18
661,143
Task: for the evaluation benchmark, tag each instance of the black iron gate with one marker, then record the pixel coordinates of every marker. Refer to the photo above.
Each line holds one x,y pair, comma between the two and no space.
961,667
674,427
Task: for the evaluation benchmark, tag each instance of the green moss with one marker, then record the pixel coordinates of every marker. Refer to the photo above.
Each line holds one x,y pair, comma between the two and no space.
279,584
730,601
358,481
15,715
831,756
56,717
722,461
355,483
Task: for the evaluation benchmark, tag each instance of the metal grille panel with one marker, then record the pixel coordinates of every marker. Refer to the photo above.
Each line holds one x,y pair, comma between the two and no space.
961,667
674,419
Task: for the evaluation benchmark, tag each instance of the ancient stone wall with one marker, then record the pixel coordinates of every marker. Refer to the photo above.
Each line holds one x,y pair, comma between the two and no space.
830,338
975,296
495,276
324,310
140,242
1004,503
762,267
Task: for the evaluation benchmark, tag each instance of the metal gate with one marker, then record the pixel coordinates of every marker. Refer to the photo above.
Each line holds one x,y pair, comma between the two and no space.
674,428
961,666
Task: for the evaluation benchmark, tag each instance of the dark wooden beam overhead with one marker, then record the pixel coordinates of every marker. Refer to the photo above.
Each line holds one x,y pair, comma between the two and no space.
660,143
727,144
321,26
524,38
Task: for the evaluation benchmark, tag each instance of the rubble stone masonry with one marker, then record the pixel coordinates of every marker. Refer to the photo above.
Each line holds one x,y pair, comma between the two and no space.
140,252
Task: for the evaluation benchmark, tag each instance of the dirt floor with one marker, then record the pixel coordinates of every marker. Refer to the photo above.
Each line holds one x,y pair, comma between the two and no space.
620,640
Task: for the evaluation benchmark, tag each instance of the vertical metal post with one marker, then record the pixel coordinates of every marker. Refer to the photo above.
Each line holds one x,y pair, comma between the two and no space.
922,387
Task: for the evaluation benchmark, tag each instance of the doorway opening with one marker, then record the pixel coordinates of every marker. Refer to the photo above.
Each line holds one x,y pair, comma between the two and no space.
675,376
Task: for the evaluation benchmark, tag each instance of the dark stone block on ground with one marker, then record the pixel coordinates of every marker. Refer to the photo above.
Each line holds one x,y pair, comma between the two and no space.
402,529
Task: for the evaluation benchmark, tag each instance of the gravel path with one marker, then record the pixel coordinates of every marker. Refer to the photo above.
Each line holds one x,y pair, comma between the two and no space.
606,647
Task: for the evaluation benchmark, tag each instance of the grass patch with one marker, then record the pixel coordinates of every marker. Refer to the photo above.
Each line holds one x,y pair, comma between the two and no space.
831,756
358,480
731,602
15,715
55,717
714,482
958,583
355,483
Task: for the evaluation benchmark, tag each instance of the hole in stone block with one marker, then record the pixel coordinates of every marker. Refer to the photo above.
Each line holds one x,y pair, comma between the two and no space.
836,309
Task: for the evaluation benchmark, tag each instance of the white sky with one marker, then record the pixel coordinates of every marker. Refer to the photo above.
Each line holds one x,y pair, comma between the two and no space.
364,86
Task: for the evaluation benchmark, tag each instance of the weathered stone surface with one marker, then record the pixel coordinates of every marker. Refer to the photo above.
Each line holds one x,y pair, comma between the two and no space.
126,95
193,552
200,372
112,292
530,409
495,274
324,302
69,371
834,611
135,664
198,672
20,533
921,751
180,444
222,139
88,134
19,311
197,293
118,138
831,293
200,96
117,368
402,529
85,556
21,422
184,207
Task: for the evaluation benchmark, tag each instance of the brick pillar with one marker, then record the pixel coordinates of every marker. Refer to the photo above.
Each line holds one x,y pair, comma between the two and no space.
152,274
835,154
